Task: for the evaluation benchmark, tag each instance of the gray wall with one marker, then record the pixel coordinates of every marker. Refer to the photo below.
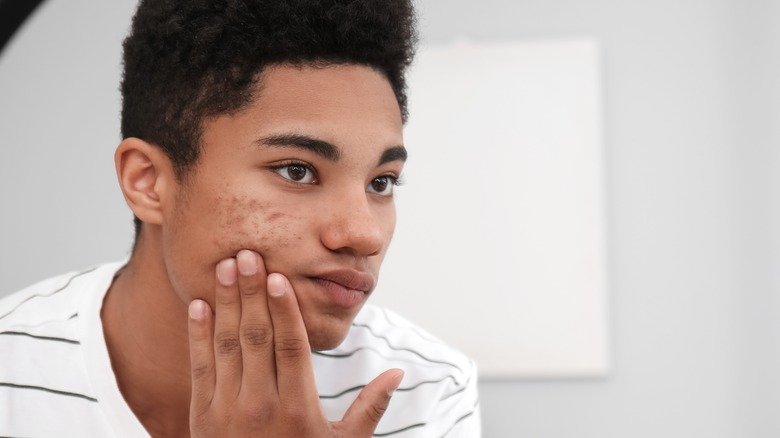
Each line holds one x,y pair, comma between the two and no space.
60,204
691,94
692,138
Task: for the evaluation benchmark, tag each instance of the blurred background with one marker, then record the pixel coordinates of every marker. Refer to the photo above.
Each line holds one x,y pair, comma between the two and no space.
691,94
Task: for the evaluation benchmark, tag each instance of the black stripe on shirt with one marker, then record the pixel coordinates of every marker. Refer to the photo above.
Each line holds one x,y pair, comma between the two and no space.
414,329
461,418
378,353
459,390
425,382
463,388
408,388
45,338
37,324
53,391
51,293
389,344
400,430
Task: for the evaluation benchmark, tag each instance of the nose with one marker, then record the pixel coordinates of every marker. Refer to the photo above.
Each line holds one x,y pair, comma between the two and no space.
353,227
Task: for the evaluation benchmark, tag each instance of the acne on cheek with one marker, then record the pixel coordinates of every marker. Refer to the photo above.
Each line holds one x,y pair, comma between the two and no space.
249,223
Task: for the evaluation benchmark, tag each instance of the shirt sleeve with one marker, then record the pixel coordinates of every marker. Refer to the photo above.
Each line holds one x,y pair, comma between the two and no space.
458,414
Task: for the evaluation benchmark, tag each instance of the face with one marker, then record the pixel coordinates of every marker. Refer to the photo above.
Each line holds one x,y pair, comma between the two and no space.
304,176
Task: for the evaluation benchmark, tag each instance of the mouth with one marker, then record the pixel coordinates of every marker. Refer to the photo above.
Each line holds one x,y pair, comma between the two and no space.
345,288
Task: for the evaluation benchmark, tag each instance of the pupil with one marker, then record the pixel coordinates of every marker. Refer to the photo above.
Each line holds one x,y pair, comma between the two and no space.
380,184
296,172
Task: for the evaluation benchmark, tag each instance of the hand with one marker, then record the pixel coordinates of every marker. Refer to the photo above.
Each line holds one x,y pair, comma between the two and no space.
252,372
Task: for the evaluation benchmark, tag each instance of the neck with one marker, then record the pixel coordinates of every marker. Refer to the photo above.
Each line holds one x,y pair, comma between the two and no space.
145,326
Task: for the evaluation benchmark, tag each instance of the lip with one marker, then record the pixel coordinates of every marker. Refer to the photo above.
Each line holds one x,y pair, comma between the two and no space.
345,287
350,279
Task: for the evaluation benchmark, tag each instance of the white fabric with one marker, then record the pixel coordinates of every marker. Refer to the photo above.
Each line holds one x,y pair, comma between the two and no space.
56,377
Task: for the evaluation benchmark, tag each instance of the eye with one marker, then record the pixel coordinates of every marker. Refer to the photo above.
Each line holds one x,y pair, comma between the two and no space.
383,185
296,172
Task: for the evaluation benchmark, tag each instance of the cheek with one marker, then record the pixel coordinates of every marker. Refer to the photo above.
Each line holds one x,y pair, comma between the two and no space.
212,229
388,223
388,227
245,222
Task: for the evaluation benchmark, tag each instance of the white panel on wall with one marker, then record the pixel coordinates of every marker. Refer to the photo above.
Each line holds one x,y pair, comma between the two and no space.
500,244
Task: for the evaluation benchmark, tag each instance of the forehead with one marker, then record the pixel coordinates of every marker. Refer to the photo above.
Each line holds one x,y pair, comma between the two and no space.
350,106
328,99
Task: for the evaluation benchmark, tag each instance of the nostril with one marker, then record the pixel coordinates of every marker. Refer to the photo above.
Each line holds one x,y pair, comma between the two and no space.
376,252
350,239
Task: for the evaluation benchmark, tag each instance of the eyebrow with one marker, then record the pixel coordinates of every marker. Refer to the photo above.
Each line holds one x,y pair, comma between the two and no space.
395,153
319,147
326,150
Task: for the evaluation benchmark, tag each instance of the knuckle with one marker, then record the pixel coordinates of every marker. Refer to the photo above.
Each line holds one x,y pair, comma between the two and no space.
201,370
227,344
251,288
375,409
257,335
291,347
375,412
199,335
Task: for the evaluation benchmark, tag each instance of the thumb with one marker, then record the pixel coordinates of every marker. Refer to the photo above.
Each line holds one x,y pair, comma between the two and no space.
365,412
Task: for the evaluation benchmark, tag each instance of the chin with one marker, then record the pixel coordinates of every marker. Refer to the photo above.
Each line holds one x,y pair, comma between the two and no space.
326,332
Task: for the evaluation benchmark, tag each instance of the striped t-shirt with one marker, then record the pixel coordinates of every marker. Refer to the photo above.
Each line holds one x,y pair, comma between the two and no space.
56,377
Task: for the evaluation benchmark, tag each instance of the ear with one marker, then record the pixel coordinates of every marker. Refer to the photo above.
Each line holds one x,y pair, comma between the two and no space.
146,178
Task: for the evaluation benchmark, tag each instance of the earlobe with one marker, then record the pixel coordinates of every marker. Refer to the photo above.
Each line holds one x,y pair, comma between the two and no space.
143,171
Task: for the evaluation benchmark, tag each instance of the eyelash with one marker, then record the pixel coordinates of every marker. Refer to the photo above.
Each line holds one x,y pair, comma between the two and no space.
394,180
289,163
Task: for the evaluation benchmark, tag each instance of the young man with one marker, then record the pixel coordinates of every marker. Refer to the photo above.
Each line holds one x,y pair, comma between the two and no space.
262,142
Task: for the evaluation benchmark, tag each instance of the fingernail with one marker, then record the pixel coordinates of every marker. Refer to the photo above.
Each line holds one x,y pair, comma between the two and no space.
397,380
247,262
226,272
276,286
197,309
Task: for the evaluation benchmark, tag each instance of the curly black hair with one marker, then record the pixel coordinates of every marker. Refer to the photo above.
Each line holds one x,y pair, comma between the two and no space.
186,60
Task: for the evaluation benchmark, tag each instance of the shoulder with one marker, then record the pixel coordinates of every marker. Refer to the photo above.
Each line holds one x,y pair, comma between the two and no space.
439,389
42,370
47,300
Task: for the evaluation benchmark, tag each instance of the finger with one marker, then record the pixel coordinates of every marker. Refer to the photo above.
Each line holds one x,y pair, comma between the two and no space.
365,412
294,370
256,329
201,356
227,347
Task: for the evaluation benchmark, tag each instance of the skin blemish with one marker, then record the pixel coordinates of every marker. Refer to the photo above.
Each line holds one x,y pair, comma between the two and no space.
254,224
238,211
275,216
